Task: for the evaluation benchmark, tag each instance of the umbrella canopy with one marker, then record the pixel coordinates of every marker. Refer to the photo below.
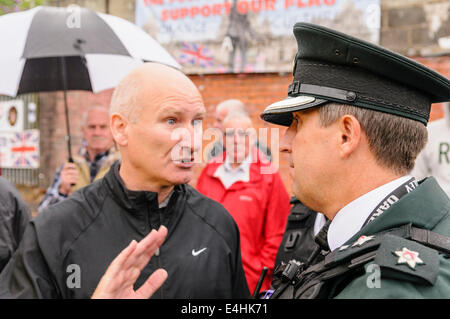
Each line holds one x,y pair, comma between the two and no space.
98,50
74,48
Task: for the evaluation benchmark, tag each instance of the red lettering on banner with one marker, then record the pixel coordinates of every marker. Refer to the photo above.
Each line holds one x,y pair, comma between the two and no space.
174,14
269,5
256,5
150,2
242,7
216,9
194,11
288,3
300,4
307,3
164,15
184,13
206,11
228,6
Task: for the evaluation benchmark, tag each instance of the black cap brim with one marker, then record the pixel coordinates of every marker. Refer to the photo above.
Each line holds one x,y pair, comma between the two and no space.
280,112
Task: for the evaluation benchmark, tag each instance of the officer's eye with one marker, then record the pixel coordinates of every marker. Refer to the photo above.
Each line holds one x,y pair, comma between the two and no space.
171,121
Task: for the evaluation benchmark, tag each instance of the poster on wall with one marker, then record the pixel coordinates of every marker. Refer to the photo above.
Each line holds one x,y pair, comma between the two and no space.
11,116
234,36
19,149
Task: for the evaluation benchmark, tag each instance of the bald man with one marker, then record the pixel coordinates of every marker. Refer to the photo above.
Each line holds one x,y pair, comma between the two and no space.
143,206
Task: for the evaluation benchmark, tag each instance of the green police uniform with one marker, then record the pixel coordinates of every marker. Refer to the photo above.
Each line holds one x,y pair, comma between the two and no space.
403,251
427,275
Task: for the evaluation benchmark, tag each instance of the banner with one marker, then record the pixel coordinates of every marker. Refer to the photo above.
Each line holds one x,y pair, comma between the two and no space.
19,149
223,36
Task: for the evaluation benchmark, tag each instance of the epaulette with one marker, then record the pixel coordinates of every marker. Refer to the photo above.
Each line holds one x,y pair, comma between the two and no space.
363,244
403,253
403,259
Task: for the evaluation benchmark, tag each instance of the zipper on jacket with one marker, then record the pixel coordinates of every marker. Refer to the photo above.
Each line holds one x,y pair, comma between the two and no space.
158,251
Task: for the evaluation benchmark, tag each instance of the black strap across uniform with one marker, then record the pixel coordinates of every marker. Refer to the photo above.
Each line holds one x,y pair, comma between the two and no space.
308,283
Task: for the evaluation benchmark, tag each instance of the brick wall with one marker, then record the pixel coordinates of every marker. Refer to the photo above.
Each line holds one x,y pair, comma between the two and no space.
440,64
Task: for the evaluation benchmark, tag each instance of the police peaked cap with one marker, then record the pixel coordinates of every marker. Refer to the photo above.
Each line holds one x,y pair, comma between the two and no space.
333,67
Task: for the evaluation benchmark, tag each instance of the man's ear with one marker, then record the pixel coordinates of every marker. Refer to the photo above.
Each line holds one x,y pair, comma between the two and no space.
350,130
119,129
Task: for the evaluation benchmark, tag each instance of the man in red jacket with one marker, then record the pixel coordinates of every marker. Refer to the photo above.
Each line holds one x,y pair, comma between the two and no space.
251,189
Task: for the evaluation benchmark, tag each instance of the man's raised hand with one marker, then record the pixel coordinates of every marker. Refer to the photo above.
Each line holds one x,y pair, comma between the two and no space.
122,273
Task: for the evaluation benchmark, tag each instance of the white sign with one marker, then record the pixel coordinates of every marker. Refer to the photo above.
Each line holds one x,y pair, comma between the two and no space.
11,116
19,149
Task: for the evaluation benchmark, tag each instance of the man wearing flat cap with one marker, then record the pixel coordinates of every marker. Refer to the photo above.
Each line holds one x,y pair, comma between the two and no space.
356,116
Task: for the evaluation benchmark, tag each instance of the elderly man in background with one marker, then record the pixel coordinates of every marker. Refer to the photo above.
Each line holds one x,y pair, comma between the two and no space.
156,113
252,191
223,109
93,160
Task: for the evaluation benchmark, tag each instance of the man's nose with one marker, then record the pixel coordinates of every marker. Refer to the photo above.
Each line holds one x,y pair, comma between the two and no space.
98,130
286,140
192,137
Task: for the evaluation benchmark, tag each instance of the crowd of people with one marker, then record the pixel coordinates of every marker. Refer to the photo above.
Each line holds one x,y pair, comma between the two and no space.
125,214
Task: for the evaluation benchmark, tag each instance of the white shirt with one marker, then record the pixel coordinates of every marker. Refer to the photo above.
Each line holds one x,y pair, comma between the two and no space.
318,223
350,219
229,176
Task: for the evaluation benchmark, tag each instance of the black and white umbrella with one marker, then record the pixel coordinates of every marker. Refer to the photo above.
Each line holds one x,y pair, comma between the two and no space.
73,48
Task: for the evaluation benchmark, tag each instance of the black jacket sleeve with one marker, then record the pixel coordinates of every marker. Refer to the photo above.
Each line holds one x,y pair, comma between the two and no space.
14,217
240,287
27,275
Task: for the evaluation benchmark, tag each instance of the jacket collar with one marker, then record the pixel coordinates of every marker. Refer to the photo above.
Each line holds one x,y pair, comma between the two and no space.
136,201
424,208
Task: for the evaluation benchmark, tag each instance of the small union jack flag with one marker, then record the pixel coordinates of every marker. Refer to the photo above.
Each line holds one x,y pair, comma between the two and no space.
196,54
25,149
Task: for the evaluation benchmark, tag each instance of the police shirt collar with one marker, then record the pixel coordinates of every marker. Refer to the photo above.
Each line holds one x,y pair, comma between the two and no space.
350,219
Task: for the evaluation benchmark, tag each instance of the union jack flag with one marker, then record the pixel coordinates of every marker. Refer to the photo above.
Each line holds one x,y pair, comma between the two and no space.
196,54
25,149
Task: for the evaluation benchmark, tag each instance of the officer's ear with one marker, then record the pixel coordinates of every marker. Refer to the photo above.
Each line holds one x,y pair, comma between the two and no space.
350,132
119,129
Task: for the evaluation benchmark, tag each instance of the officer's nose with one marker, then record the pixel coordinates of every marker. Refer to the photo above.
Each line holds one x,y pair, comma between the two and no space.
286,140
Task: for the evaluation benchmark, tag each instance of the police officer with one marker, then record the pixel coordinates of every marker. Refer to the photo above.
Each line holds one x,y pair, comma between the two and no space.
356,116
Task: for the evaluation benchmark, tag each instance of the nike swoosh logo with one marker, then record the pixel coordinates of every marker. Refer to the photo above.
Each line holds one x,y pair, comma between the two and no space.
196,253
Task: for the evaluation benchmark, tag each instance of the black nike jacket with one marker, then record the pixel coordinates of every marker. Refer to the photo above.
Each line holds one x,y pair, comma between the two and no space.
67,248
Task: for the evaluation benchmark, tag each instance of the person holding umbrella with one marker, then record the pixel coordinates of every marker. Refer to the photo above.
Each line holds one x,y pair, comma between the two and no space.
156,114
93,162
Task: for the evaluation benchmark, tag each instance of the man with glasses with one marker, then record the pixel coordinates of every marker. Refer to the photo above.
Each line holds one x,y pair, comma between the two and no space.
251,189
